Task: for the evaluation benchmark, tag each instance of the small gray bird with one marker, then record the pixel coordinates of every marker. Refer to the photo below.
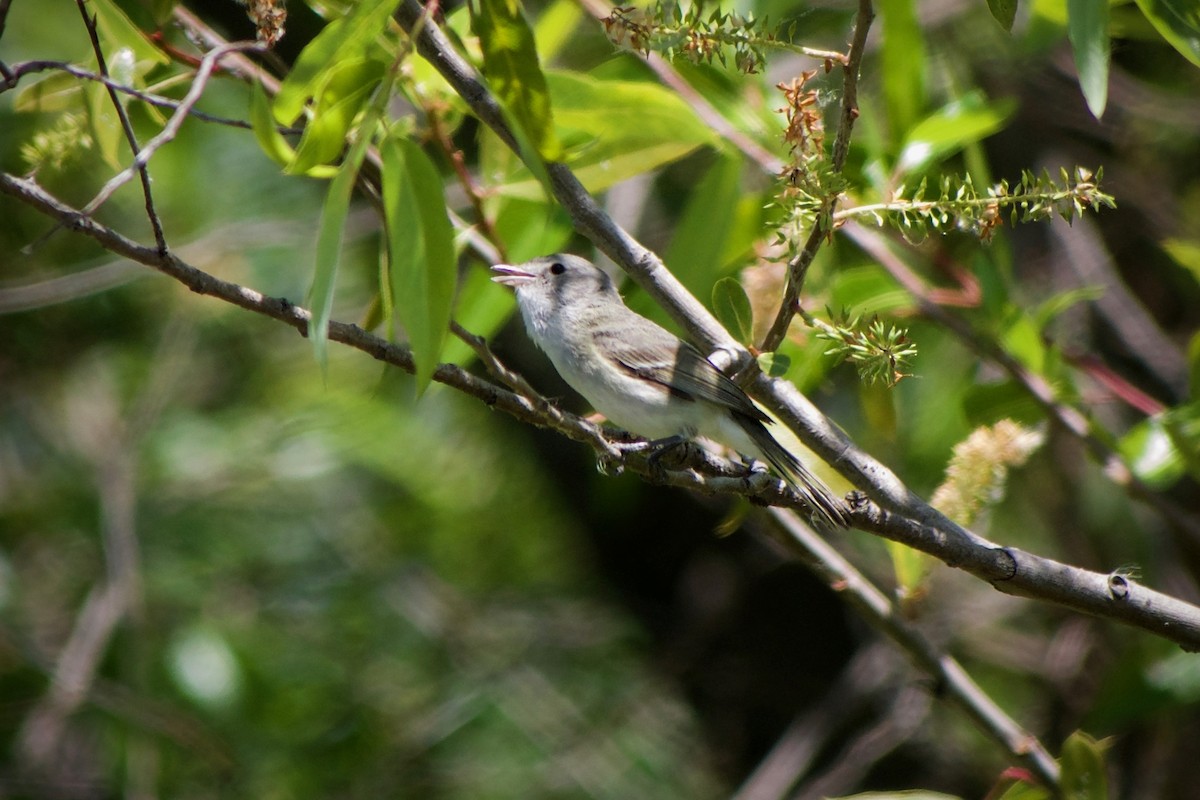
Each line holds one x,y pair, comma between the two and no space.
642,377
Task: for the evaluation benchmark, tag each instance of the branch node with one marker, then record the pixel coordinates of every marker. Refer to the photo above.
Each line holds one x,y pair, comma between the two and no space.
1013,564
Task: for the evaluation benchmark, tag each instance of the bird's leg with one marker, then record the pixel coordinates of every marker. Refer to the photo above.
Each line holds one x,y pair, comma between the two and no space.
656,449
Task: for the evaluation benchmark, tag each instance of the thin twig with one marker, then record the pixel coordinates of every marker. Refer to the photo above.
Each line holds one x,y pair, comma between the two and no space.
797,269
474,192
952,680
510,378
126,126
1066,416
1011,571
171,129
874,669
23,68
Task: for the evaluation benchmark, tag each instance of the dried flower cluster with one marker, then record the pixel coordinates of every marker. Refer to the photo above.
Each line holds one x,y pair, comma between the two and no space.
268,17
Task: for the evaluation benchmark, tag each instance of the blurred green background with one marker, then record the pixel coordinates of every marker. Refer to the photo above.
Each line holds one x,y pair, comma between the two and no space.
327,588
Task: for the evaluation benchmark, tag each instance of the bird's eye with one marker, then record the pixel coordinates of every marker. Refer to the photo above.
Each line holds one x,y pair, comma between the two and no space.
557,269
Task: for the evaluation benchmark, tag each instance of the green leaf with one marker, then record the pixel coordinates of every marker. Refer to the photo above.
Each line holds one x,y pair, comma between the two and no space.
910,566
775,365
970,118
1057,304
1177,21
531,228
262,123
1004,12
555,24
105,124
868,290
329,254
58,91
341,93
421,251
1185,253
1193,354
731,306
117,30
1178,675
351,37
1023,339
333,221
616,130
698,246
1083,775
988,403
1021,790
903,64
1087,28
510,63
1162,448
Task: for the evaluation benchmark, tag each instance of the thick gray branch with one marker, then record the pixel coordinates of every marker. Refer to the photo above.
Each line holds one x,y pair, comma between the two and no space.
1007,569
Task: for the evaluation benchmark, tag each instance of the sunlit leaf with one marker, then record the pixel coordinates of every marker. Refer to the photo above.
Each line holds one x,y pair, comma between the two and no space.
348,38
1178,21
117,30
332,224
421,251
1162,448
1050,308
1004,12
868,290
106,125
617,129
1083,773
988,403
510,63
775,365
731,306
698,246
341,93
329,254
970,118
268,136
1087,28
58,91
903,63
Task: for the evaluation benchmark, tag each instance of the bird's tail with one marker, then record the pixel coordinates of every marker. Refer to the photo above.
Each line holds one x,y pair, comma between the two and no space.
826,506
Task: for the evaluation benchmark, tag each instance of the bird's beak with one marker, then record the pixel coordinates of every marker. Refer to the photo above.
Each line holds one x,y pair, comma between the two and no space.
511,276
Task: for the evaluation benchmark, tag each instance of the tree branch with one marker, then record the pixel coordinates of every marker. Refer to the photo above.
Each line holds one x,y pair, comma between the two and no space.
1009,570
821,229
1064,415
126,127
171,129
952,680
23,68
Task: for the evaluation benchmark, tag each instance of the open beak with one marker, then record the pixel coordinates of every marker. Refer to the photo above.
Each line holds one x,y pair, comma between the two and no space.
511,276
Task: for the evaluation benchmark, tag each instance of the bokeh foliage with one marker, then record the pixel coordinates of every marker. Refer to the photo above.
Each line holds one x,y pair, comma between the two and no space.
341,590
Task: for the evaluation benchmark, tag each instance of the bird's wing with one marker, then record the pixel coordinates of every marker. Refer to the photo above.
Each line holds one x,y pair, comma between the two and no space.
642,348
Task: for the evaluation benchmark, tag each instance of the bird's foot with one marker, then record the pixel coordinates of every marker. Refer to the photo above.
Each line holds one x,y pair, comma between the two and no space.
658,449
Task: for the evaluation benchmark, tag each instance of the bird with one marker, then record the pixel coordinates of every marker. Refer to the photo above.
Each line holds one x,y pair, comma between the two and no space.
642,377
